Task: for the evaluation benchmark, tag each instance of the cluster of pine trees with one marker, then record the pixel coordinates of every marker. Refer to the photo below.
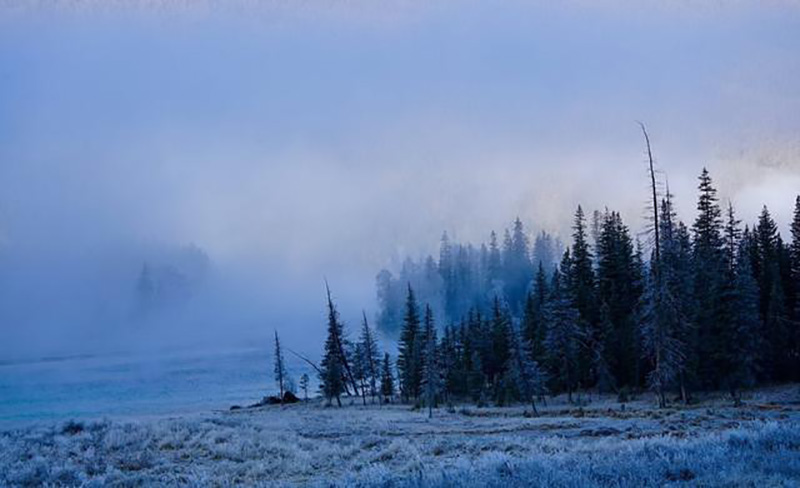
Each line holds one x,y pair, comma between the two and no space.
714,305
465,276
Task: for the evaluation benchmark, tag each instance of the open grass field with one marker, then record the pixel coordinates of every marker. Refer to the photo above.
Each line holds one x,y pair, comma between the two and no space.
709,443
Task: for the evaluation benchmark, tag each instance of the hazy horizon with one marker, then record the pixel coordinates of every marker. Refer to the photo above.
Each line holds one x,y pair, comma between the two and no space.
305,143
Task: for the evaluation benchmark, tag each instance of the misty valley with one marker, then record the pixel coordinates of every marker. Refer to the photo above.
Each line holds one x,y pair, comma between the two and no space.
399,244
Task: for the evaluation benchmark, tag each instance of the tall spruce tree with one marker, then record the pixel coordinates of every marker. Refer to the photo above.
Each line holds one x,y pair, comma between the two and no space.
431,383
534,328
618,296
767,269
496,360
708,266
517,269
332,372
409,361
742,337
795,292
564,334
581,288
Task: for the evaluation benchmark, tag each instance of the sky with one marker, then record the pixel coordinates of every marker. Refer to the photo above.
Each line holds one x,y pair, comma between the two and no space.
297,141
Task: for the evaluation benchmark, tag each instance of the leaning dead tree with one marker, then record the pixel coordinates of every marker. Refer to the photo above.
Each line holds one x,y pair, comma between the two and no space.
654,191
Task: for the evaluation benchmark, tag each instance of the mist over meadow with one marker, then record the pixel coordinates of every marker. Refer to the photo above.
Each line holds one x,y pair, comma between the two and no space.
244,158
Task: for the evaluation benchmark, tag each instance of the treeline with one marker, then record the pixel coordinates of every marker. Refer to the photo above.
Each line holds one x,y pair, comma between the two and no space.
465,276
714,305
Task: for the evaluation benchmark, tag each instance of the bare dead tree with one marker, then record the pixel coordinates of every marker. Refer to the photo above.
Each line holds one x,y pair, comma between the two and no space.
653,188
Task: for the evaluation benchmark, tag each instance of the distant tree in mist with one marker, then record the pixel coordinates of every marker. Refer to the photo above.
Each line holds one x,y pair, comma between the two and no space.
387,379
279,367
145,292
304,384
370,357
431,381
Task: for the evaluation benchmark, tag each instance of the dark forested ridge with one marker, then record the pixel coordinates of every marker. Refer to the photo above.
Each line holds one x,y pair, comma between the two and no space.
712,304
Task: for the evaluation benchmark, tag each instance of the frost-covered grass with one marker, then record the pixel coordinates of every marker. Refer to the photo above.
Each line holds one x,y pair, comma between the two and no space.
600,444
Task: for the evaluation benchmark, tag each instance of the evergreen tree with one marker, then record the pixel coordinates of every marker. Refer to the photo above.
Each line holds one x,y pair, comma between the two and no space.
564,334
517,266
618,296
447,272
524,372
304,383
390,301
794,255
582,272
534,328
279,367
581,289
742,337
332,374
371,356
145,292
359,369
431,379
707,266
772,304
387,380
495,362
409,351
494,266
546,251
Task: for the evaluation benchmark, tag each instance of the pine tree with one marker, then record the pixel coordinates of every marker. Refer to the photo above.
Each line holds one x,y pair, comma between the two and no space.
409,355
582,272
794,255
581,289
279,367
517,266
371,356
772,306
390,300
495,362
359,368
145,292
304,383
332,374
387,380
743,334
431,379
524,372
618,295
494,266
447,273
533,321
707,265
564,334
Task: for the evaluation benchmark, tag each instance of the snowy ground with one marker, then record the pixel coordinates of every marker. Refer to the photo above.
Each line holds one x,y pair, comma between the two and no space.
707,444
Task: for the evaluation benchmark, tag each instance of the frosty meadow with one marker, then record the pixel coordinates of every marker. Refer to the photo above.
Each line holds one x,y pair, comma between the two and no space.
402,243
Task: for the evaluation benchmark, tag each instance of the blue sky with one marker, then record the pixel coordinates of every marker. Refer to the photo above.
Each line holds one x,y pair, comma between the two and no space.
331,138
